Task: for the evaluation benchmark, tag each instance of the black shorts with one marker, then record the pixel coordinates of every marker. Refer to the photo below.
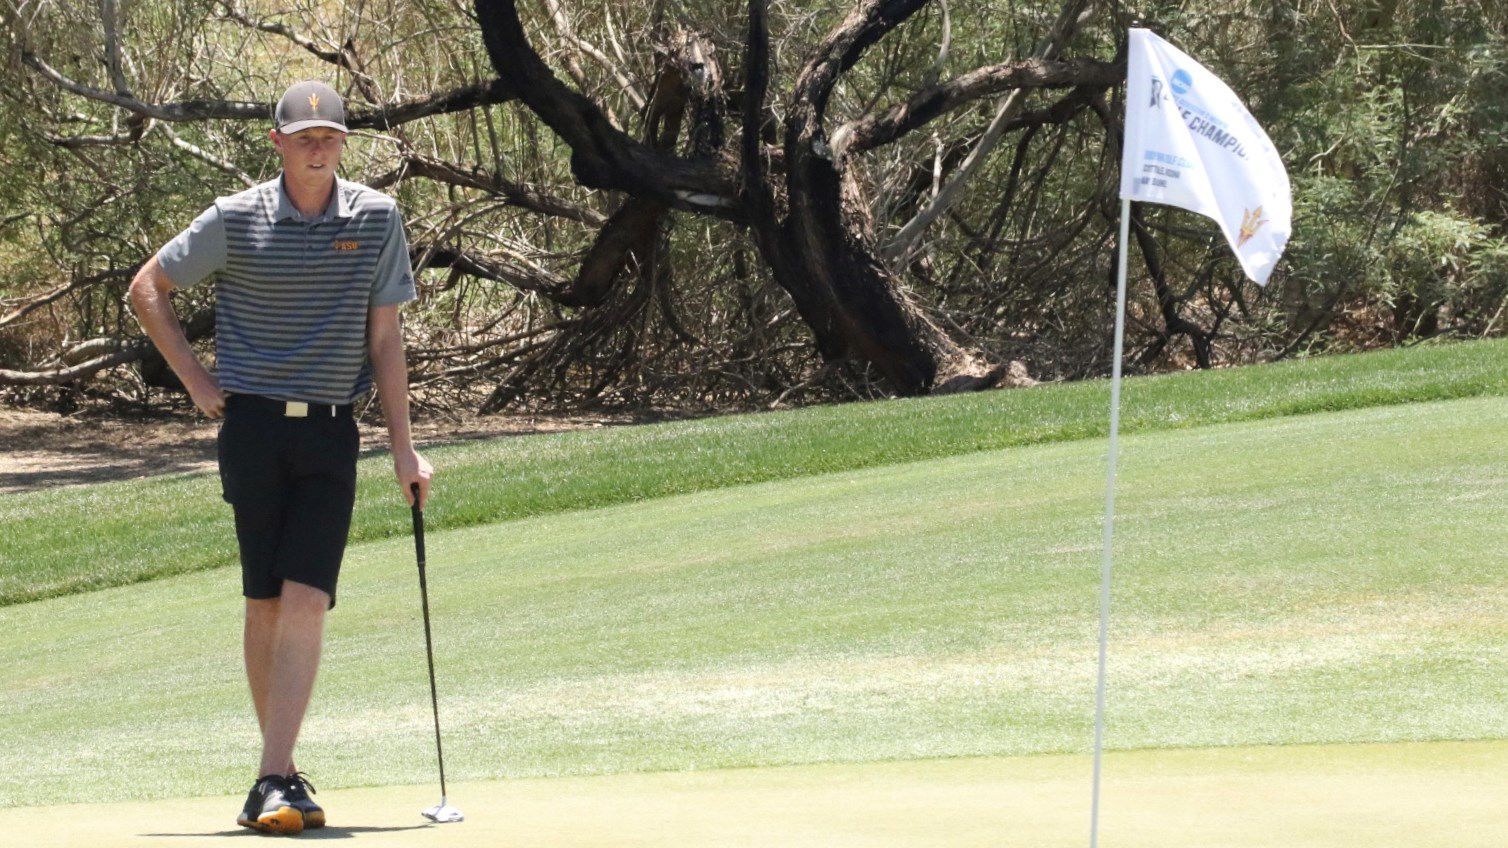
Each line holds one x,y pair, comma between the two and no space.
292,484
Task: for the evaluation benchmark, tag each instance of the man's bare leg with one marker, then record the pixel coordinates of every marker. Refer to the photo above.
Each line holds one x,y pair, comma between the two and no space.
257,641
295,650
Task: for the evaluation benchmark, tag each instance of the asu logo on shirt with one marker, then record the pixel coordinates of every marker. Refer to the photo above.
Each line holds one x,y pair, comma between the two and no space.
345,245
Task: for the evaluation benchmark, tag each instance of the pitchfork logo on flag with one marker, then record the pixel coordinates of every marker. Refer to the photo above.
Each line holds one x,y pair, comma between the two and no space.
1191,143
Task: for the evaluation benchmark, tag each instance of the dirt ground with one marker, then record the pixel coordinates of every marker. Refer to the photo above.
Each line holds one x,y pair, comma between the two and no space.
42,450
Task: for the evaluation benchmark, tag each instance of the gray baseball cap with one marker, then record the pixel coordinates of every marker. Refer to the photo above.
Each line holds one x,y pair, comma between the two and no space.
310,104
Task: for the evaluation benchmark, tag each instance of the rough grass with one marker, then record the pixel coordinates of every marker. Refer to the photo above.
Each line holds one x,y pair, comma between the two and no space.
112,534
1338,577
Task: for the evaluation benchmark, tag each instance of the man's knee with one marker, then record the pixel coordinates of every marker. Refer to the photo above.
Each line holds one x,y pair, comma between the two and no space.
303,600
261,612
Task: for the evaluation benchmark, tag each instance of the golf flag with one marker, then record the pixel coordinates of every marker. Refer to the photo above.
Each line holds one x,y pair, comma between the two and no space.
1191,143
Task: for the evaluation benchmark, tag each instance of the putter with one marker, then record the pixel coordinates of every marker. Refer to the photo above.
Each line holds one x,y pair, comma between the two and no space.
441,812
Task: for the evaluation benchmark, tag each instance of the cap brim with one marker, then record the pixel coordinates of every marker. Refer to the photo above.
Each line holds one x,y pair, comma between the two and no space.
289,129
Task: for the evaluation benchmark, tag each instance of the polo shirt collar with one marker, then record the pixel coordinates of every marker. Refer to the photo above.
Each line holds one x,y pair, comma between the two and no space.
285,208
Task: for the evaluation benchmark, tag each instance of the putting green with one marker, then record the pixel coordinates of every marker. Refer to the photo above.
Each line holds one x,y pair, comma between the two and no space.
1335,796
1322,579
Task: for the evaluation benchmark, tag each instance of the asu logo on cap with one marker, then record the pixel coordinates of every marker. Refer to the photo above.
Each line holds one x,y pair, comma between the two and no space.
309,104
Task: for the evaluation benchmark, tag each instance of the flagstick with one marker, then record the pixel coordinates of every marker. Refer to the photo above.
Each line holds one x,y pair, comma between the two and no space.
1105,560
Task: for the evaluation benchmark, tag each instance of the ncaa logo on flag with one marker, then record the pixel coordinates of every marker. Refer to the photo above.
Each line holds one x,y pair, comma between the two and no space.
1207,133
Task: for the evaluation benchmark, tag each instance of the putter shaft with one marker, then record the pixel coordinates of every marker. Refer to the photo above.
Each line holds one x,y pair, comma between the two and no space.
429,651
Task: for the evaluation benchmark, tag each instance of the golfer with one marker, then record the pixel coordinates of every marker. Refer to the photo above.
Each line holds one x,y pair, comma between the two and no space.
309,273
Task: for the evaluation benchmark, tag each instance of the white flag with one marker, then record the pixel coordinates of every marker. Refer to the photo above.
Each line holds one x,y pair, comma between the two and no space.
1191,143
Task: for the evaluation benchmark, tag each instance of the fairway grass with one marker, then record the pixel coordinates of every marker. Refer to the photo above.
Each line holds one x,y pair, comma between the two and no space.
77,539
1352,796
1338,577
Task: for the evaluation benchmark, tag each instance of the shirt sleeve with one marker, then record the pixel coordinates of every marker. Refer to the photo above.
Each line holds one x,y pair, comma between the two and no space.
394,281
197,252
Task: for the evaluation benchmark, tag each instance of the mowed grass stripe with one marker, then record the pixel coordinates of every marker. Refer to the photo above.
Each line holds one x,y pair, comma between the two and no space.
1331,796
1331,578
71,540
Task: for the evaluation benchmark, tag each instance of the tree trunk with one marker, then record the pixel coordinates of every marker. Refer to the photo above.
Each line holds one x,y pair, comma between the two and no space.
819,250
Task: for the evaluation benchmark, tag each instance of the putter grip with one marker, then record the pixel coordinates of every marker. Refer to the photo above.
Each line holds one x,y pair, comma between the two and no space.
418,526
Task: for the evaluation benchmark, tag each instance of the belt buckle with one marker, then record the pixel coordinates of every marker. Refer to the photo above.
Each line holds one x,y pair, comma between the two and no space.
296,409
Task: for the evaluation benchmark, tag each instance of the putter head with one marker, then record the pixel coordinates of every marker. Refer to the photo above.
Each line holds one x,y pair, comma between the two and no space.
443,812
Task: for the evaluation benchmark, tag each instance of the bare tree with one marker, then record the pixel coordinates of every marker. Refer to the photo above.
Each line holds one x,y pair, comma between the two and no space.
816,237
676,224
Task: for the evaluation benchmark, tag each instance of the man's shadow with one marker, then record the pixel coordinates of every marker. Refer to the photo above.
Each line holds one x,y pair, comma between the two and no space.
327,832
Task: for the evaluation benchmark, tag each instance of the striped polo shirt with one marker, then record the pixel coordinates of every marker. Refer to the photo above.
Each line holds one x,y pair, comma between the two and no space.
292,293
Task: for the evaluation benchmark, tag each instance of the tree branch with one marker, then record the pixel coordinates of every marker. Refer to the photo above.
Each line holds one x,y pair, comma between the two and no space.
516,194
602,156
568,32
457,99
110,16
753,188
339,58
135,350
72,373
205,156
510,270
905,241
50,297
387,116
1089,75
